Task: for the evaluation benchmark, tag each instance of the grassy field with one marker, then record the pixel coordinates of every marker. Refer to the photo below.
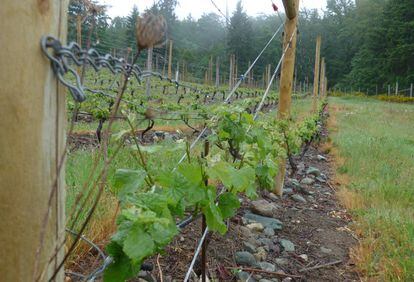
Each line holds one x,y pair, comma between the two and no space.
374,142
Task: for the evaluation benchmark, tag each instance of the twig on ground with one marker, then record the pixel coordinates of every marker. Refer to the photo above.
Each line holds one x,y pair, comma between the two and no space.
265,271
321,266
159,268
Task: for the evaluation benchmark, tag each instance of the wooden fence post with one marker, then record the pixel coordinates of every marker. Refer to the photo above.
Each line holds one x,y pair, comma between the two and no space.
411,90
32,122
177,71
316,74
170,60
396,88
149,68
286,78
217,72
322,79
231,73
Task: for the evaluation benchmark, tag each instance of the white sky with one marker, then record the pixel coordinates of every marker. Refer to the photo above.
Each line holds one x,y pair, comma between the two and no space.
198,7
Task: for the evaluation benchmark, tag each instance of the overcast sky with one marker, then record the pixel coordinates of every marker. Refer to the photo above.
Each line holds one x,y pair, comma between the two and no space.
197,7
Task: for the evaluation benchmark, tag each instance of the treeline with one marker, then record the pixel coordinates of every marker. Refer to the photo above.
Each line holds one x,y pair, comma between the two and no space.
367,44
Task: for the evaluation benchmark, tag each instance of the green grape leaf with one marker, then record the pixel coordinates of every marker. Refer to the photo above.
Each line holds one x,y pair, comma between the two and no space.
127,182
192,173
138,244
121,268
228,204
162,234
214,219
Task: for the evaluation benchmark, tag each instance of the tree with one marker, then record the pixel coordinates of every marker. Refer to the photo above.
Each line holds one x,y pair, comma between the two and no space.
240,37
131,28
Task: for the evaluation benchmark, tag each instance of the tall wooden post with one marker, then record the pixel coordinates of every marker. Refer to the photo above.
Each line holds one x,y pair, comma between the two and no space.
316,74
396,88
236,71
149,68
32,122
170,60
268,72
79,36
177,71
411,90
231,73
322,78
217,72
286,78
295,77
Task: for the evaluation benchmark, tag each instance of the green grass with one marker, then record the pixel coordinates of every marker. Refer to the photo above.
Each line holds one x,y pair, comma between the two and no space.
376,139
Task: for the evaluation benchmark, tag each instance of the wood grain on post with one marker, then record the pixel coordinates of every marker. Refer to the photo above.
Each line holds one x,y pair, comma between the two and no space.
286,79
322,79
291,8
231,73
316,74
217,72
32,122
170,61
149,68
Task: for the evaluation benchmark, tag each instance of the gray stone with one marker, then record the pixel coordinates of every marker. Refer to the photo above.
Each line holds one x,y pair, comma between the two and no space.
146,276
246,232
317,186
287,245
295,183
265,280
287,279
281,261
263,207
287,191
267,244
260,254
269,232
273,197
258,276
275,280
298,198
321,158
313,171
255,226
245,277
304,257
249,247
301,165
245,258
320,179
307,181
267,266
326,250
265,221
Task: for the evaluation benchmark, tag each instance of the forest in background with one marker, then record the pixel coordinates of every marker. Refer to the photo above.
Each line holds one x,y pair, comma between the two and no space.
367,44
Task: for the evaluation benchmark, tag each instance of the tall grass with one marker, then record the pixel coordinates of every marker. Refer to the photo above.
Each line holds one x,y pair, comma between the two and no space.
376,139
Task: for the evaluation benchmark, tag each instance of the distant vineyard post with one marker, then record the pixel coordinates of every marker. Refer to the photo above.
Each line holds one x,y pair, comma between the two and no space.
32,123
149,68
322,78
286,78
316,74
170,60
217,72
